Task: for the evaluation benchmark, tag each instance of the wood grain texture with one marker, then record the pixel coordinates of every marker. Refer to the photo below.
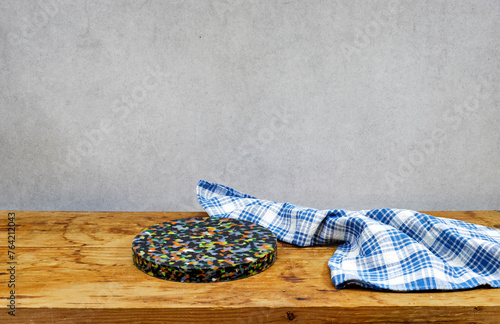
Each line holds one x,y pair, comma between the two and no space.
77,267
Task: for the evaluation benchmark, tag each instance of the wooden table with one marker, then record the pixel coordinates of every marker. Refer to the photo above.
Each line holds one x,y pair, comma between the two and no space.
77,267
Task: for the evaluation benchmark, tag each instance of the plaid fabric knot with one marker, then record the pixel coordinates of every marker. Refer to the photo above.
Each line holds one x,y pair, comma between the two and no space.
393,249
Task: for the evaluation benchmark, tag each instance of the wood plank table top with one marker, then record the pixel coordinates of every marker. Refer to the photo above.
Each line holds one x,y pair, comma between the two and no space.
74,267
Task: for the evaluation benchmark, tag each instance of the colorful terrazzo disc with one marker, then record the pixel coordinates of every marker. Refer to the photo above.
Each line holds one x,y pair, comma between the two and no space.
204,249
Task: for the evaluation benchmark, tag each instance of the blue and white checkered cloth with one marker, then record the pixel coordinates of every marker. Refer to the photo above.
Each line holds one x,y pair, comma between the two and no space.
394,249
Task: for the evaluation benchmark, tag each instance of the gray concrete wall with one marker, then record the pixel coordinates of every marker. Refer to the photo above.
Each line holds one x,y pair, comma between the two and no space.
125,105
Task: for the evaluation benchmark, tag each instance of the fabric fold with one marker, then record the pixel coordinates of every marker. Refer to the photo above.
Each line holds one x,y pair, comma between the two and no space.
393,249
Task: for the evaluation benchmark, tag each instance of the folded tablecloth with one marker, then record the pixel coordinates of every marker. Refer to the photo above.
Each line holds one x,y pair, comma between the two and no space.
393,249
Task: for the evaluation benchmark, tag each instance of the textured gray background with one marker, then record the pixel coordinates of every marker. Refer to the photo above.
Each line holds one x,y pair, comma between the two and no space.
125,105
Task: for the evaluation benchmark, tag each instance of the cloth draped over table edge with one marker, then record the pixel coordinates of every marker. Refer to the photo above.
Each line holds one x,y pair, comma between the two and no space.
382,249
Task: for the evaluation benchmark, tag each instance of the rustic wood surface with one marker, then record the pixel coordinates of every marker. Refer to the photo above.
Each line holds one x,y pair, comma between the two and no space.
77,267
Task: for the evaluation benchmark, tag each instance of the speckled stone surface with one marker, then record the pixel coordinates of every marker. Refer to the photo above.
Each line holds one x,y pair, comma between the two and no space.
204,249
